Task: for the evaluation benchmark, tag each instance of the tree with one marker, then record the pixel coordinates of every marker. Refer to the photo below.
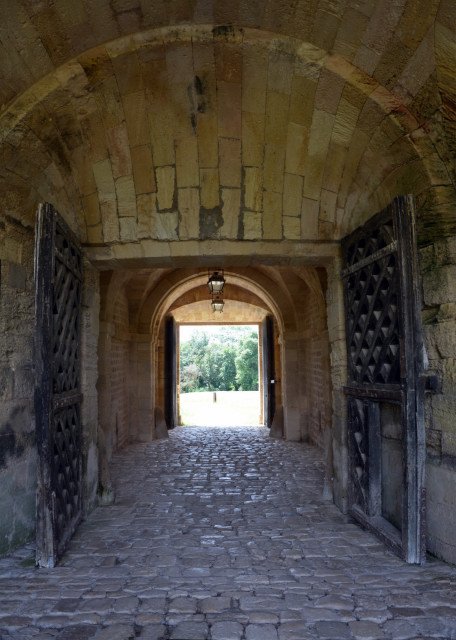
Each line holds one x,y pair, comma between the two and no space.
247,363
221,361
189,378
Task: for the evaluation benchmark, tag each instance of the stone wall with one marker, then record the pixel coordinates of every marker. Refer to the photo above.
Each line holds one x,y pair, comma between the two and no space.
438,268
120,368
17,437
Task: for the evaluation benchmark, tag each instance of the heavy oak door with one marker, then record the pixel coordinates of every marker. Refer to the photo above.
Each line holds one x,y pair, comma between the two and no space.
267,352
170,372
58,288
385,390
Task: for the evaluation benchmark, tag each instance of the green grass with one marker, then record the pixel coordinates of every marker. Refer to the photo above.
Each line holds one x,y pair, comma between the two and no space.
233,408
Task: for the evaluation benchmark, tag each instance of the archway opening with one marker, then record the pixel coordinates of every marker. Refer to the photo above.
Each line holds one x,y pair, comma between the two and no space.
218,382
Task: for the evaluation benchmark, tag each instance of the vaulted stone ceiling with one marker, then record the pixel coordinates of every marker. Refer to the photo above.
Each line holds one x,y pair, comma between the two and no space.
206,119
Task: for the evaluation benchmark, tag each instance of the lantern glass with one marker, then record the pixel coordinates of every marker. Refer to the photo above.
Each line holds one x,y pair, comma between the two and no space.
217,304
216,282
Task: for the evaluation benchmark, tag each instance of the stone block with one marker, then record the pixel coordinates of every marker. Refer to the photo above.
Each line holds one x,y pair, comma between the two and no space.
296,149
6,383
179,62
227,630
291,228
11,250
207,139
438,285
252,221
253,188
110,221
332,175
109,104
253,139
104,181
187,167
254,80
147,211
92,209
167,224
135,109
182,107
319,137
155,78
272,216
128,72
231,205
230,162
280,72
309,219
209,179
189,206
165,187
441,511
229,104
162,136
302,101
274,162
228,61
277,105
292,195
119,150
126,196
143,169
95,234
345,123
328,205
128,231
83,164
329,91
17,276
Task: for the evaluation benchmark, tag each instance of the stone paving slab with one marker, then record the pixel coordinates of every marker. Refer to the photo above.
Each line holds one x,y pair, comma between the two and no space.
223,534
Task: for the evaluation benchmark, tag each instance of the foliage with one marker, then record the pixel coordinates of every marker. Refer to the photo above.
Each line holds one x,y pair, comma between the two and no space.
247,364
223,361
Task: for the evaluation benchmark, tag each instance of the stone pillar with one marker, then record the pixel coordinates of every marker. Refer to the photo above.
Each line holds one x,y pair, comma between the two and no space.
89,378
140,391
336,448
106,492
17,422
291,397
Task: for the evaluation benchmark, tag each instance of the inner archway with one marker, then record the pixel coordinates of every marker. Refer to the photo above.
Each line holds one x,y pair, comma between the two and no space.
136,305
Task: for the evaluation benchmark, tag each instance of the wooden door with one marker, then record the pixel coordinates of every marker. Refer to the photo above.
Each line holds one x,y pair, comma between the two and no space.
58,288
267,351
170,373
385,390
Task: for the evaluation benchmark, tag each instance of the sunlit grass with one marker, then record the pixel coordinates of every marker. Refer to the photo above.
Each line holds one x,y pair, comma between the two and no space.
233,408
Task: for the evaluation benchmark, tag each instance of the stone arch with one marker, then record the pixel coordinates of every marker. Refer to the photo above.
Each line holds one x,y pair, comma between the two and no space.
294,296
129,141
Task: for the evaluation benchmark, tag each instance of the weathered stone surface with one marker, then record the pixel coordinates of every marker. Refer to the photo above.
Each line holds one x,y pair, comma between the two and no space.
190,631
227,631
261,632
216,576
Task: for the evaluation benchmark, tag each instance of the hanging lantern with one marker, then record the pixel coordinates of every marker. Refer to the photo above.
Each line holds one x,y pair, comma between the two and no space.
216,282
217,303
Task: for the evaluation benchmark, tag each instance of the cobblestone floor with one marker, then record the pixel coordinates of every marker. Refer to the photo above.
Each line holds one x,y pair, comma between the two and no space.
222,534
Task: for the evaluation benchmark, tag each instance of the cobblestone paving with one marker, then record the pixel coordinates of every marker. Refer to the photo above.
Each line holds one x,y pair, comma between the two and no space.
222,534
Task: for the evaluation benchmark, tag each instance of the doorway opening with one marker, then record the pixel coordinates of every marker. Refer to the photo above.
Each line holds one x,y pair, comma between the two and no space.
219,371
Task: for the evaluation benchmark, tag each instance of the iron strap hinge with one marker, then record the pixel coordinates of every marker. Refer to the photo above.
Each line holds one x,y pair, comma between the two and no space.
62,400
381,253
